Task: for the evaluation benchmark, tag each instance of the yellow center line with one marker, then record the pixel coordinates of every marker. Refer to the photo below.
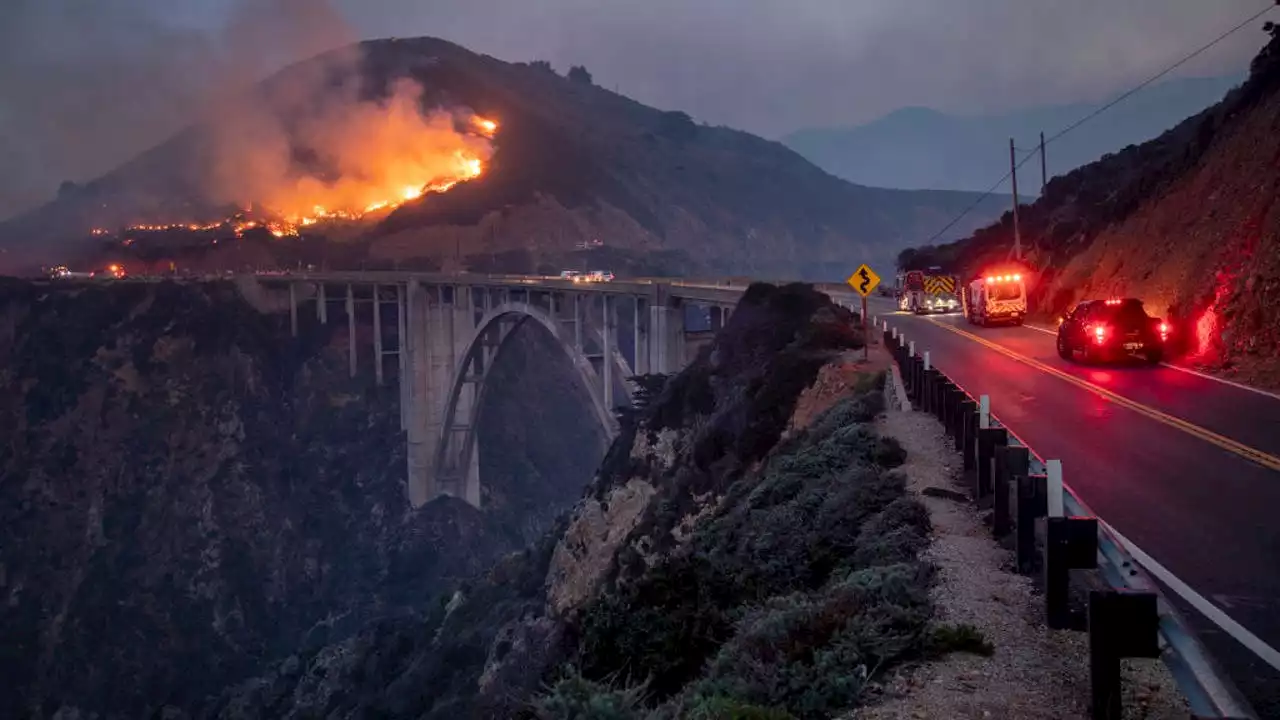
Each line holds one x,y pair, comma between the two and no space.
1252,454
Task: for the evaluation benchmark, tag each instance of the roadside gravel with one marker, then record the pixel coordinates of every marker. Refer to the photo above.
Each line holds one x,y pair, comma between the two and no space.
1034,672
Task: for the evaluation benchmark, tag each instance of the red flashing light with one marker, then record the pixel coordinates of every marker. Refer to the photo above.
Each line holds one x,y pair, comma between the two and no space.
1017,278
1113,301
990,279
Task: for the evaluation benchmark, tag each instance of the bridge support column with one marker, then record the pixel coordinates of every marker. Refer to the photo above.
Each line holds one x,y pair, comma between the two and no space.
608,329
717,317
322,308
377,335
351,330
293,309
402,374
666,341
417,363
640,346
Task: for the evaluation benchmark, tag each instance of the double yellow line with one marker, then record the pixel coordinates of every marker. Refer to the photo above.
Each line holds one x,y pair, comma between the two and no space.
1252,454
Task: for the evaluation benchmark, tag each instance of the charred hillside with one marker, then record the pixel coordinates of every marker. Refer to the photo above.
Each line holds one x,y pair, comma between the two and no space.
743,552
570,162
1187,221
186,493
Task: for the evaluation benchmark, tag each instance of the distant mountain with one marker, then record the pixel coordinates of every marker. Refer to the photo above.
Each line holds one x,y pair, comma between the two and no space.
920,148
571,162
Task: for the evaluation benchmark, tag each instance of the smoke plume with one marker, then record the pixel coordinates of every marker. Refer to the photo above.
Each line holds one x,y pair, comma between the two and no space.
325,150
84,86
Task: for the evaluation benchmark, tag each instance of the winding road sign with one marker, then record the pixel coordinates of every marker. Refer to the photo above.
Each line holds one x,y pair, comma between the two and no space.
864,280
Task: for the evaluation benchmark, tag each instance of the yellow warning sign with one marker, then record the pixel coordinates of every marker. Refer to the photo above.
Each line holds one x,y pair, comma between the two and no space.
863,280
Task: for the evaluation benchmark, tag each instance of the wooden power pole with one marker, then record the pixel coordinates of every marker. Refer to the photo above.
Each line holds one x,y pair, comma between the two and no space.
1013,172
1044,175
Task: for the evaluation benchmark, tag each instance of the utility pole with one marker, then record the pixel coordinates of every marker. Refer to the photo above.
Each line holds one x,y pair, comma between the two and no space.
1044,176
1013,172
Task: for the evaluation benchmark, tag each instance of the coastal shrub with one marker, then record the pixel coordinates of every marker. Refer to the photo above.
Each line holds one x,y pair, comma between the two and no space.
803,582
813,654
574,697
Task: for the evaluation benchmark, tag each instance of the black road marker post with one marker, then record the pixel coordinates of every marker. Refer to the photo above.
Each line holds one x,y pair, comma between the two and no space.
1072,544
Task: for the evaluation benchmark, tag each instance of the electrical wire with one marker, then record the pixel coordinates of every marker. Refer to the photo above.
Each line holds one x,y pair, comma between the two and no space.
1101,110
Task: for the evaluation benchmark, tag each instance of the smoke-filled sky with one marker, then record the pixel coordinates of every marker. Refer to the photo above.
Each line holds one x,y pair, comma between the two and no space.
87,84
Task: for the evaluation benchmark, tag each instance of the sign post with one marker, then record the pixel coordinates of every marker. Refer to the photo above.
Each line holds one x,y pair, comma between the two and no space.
863,281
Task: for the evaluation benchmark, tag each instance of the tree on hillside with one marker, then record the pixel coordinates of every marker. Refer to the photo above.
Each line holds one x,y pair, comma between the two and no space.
578,73
542,65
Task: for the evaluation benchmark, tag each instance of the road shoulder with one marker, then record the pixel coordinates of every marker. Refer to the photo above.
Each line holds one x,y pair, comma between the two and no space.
1033,672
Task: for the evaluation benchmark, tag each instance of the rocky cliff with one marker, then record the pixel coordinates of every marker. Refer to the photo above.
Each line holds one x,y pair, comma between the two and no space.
187,493
733,558
1188,222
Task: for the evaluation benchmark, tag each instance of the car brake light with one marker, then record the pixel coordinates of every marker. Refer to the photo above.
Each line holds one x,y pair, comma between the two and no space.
1099,333
1164,331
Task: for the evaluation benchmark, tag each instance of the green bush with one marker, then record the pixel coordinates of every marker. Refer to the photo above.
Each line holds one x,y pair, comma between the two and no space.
959,637
814,654
576,698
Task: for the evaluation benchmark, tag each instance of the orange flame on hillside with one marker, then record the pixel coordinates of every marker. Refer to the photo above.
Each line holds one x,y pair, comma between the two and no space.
359,157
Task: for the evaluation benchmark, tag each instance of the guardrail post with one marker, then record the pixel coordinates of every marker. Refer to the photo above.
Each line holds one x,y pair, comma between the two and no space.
1031,506
1011,462
988,439
1122,624
968,441
1071,544
951,408
1053,488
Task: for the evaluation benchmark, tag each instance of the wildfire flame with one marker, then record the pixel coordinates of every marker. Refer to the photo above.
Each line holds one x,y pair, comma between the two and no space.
384,157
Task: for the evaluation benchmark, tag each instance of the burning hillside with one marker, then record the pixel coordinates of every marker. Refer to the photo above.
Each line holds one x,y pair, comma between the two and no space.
343,161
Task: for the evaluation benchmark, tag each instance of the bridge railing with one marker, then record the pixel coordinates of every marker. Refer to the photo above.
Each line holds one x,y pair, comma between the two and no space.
1055,532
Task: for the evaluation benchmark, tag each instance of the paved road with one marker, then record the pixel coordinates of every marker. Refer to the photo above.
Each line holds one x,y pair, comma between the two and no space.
1186,467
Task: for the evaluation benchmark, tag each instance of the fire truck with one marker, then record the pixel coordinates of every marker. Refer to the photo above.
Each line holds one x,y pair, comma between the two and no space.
998,296
931,291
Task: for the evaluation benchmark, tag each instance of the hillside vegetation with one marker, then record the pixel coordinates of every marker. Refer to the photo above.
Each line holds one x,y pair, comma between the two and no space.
1187,221
187,493
574,162
726,562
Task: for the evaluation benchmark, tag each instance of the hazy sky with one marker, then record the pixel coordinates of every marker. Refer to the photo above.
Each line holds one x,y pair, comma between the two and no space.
86,84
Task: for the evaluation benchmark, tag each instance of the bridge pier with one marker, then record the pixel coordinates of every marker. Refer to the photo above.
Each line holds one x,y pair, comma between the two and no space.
377,335
450,330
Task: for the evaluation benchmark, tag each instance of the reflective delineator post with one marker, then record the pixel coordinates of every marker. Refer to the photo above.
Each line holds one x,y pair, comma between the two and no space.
927,365
1053,487
911,349
984,412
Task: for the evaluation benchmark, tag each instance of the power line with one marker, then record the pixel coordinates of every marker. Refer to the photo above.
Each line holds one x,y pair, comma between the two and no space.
1101,110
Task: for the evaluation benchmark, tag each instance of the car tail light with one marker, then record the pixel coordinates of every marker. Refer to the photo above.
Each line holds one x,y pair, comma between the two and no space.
1099,334
1164,331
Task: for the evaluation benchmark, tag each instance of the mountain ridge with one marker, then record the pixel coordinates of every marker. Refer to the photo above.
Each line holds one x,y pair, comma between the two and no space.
921,147
572,162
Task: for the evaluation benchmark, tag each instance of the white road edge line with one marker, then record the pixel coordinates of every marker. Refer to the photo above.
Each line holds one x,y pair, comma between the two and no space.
1189,371
1252,642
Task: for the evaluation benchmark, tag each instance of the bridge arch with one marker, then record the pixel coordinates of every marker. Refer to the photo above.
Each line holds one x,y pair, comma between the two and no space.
455,462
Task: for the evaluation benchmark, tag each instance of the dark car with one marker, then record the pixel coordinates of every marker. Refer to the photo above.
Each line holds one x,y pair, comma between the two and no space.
1112,330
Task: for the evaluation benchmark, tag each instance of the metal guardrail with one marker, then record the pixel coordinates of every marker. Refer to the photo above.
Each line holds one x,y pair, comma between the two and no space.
1132,618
